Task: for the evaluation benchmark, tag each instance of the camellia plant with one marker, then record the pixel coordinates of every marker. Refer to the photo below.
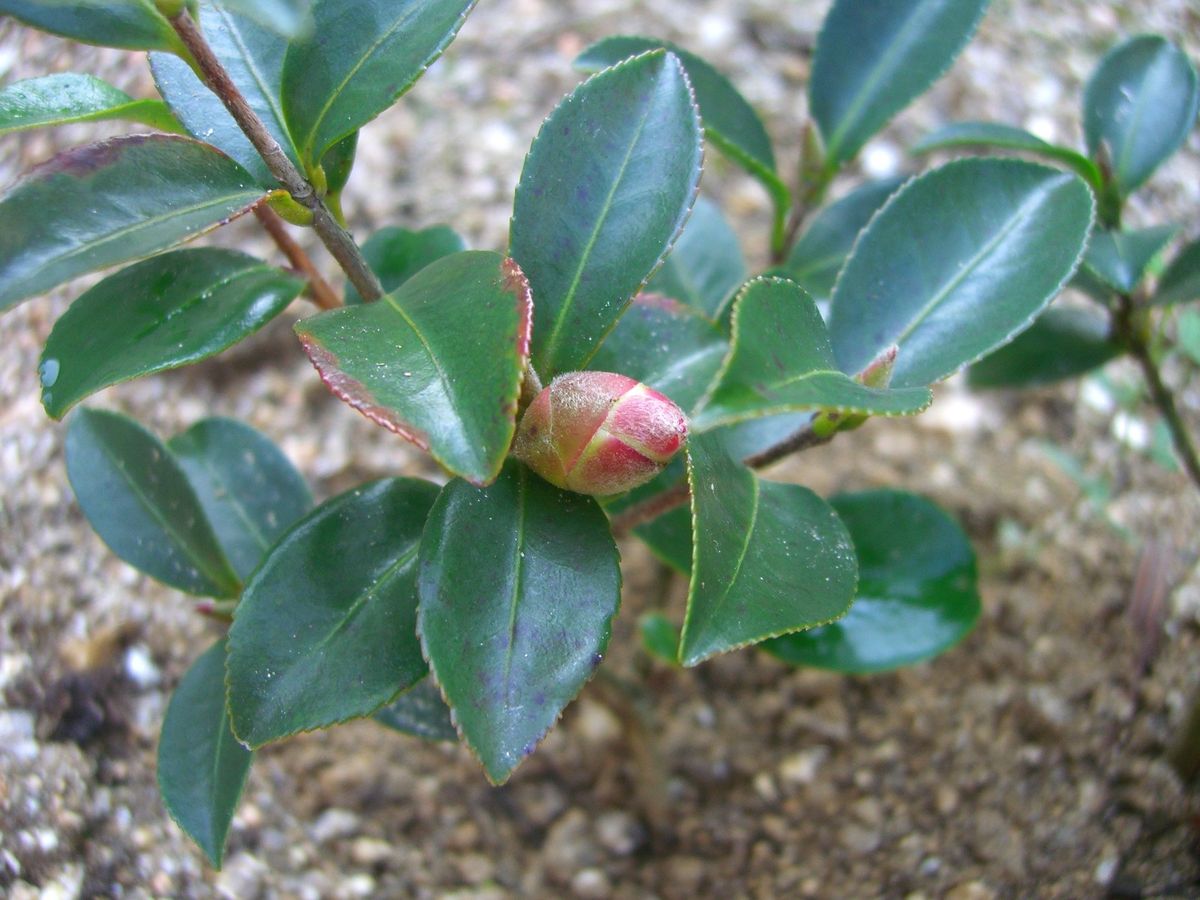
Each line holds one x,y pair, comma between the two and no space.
614,371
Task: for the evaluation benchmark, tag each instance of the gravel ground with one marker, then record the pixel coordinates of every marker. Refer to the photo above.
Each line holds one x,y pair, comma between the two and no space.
1027,762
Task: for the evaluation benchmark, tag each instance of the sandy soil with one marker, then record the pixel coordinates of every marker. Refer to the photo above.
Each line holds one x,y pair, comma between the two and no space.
1026,762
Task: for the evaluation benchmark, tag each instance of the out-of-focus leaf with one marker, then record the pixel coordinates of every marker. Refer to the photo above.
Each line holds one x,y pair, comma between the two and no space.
1063,342
67,97
705,267
1120,258
1180,283
130,24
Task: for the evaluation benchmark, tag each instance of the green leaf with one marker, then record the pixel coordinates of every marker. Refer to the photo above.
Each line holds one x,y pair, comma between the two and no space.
1189,334
357,60
250,491
1180,283
67,97
756,435
107,203
662,343
162,313
138,499
769,558
338,162
1063,342
660,637
917,595
1139,107
605,191
705,267
421,712
326,628
397,254
1120,258
958,262
519,584
1005,137
252,54
131,24
284,16
439,362
820,253
730,123
201,766
780,360
669,536
873,58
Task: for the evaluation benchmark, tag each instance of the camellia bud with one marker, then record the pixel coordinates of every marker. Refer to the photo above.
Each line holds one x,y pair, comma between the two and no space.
599,433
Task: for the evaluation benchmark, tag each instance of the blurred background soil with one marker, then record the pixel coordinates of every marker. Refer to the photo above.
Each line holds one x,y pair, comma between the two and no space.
1027,762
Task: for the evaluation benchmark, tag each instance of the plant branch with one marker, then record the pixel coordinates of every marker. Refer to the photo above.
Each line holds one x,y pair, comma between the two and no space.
322,294
340,244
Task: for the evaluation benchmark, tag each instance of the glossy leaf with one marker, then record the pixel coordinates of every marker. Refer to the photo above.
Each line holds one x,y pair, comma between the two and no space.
162,313
769,558
917,594
605,191
780,360
1139,107
821,252
252,54
519,584
705,267
660,637
1063,342
250,491
284,16
669,536
65,98
408,363
1120,258
131,24
421,712
201,766
107,203
1180,283
397,254
357,60
958,135
755,435
326,628
138,499
958,262
666,345
730,123
875,56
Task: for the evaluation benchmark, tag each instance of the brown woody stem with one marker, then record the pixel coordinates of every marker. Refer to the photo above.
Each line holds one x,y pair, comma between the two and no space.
340,244
322,294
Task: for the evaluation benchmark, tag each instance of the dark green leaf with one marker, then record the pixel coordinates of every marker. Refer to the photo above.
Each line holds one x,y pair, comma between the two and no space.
397,254
252,54
756,435
421,712
916,593
660,637
662,343
1120,258
519,585
958,262
285,16
669,536
730,123
326,628
769,558
1005,137
1063,342
781,361
605,190
201,765
338,162
818,256
1180,283
1138,107
439,362
131,24
162,313
1189,334
110,202
138,499
65,98
705,267
357,60
250,491
875,56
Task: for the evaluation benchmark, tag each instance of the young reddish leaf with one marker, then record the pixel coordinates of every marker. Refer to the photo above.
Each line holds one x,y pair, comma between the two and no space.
110,202
440,361
519,584
605,191
65,98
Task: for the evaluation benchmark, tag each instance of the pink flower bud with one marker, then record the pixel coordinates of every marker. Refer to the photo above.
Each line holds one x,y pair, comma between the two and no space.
599,433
